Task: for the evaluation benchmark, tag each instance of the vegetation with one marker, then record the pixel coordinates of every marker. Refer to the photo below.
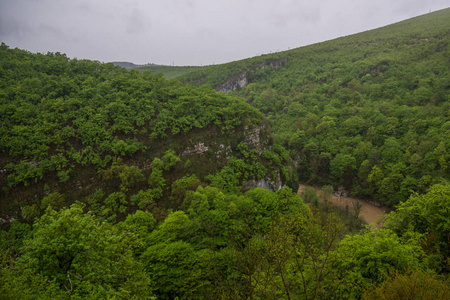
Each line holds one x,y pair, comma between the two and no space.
368,112
257,245
76,126
168,72
120,184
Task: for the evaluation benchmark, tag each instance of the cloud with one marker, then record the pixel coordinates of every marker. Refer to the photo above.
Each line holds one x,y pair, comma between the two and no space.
135,22
190,32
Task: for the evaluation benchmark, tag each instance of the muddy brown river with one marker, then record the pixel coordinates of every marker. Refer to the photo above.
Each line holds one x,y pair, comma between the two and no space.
369,212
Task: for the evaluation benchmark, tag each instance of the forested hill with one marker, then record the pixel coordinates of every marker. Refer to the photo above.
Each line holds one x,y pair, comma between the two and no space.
168,72
368,112
117,184
126,65
79,130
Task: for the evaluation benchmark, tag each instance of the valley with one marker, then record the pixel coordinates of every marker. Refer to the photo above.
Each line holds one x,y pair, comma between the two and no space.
368,112
165,182
370,212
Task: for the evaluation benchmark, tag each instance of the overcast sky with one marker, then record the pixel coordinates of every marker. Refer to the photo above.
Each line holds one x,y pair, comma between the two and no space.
191,32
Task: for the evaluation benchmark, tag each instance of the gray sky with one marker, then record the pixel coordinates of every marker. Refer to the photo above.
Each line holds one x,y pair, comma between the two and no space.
191,32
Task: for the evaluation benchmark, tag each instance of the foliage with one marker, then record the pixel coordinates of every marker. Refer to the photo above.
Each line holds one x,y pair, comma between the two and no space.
428,215
415,285
176,269
370,256
293,260
309,195
367,113
375,99
169,72
54,200
12,240
81,257
60,117
260,244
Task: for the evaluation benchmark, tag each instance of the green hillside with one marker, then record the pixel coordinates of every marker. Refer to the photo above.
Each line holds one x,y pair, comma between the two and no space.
75,127
119,184
369,112
169,72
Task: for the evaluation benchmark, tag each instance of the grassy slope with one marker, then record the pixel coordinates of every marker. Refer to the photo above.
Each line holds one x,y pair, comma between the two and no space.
411,31
169,72
342,106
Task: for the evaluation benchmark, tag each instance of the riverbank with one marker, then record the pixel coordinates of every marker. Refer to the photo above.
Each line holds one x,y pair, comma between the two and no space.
369,212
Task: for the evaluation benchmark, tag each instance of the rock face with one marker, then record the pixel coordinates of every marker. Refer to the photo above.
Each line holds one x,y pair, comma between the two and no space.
198,148
266,183
234,83
252,138
239,81
224,151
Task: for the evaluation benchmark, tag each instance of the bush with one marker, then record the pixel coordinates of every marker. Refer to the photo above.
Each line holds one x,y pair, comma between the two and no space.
416,285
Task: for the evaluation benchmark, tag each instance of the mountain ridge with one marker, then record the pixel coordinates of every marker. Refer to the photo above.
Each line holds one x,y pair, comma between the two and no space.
402,26
123,184
366,93
65,122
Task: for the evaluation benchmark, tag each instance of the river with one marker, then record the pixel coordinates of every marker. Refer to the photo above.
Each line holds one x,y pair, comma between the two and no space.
369,212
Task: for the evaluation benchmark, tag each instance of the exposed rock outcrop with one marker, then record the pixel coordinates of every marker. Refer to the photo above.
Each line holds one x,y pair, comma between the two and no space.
266,183
252,138
198,148
250,135
239,81
234,83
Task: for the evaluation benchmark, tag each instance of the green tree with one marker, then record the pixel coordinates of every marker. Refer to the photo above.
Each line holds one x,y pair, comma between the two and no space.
414,285
129,176
309,195
141,223
176,269
170,159
55,200
375,177
342,168
428,215
83,257
368,258
294,259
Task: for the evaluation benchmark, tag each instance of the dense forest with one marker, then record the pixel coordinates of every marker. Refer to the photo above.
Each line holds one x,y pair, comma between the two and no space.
80,125
168,72
123,184
369,112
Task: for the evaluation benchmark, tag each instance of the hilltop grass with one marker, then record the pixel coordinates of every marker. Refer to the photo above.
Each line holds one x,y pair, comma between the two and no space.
168,72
